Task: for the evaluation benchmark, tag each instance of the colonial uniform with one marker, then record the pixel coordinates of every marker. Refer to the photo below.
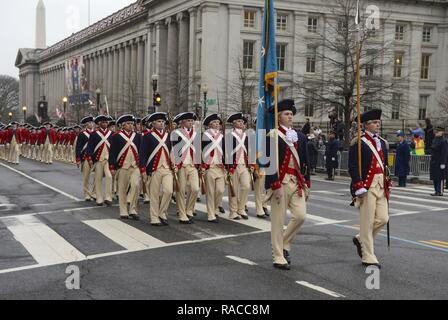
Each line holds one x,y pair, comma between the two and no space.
81,159
124,158
98,149
14,140
293,177
187,161
213,160
49,140
373,185
155,162
239,170
2,142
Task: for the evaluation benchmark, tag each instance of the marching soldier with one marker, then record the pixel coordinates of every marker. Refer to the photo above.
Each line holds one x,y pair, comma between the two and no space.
371,189
39,143
98,149
14,140
439,153
239,171
290,185
331,155
124,158
49,140
213,159
82,158
2,141
112,126
155,164
145,185
186,159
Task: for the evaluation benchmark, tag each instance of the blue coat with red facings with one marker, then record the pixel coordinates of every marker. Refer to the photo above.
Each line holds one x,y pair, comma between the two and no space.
148,144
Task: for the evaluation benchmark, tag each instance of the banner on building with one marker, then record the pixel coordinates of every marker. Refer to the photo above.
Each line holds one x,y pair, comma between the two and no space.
76,79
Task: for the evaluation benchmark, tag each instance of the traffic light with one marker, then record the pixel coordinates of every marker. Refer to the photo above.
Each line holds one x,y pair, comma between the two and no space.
157,100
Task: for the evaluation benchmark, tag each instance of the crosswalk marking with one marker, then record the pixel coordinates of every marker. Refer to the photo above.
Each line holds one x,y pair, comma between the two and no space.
126,236
43,243
421,200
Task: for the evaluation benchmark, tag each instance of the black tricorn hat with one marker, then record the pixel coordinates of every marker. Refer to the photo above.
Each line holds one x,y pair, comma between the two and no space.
285,105
101,118
374,114
87,119
211,118
237,116
157,116
125,118
185,116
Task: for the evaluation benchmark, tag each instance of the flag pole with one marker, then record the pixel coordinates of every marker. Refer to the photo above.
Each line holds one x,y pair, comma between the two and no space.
358,86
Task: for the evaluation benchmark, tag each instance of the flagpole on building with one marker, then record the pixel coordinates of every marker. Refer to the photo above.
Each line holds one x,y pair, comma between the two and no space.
358,85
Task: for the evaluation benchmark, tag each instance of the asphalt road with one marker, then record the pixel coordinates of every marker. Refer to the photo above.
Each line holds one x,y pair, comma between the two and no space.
45,227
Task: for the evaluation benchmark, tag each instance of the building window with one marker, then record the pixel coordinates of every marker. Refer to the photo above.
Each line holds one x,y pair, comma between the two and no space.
310,101
425,66
282,22
248,55
312,25
368,104
399,32
396,105
342,26
249,19
427,34
423,106
311,59
398,64
281,56
370,64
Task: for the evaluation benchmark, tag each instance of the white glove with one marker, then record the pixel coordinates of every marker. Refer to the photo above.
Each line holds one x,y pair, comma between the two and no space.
333,159
360,192
442,166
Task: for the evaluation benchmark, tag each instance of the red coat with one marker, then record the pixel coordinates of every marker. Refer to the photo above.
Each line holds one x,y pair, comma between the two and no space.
33,138
51,135
10,134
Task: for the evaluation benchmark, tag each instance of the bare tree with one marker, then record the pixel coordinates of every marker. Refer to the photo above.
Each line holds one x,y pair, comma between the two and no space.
442,110
9,96
335,51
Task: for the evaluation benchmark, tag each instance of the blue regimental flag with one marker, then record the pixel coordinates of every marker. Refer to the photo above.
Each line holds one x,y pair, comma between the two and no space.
268,75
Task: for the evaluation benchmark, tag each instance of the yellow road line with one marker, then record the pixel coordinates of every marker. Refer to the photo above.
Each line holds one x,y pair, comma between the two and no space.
434,244
441,242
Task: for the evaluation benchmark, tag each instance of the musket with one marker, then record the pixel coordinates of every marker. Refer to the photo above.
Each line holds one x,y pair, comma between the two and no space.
231,186
176,179
387,180
202,184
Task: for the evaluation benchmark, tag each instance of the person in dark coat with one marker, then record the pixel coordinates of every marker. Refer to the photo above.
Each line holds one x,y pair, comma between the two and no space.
313,151
437,169
331,155
429,135
306,127
403,156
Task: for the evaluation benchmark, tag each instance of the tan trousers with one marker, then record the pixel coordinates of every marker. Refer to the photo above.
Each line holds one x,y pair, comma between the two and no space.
241,184
14,153
215,183
39,149
128,178
374,216
188,191
2,152
47,153
102,170
160,201
86,170
281,240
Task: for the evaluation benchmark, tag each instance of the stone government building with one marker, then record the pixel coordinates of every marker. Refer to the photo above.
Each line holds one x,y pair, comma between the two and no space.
189,44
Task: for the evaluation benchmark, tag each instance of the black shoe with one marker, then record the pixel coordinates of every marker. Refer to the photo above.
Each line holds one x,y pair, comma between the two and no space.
145,202
195,214
237,218
246,209
134,217
221,210
124,217
108,203
371,264
262,216
198,200
266,212
213,221
437,194
186,222
245,217
282,266
287,256
358,246
164,222
157,224
173,199
89,200
100,204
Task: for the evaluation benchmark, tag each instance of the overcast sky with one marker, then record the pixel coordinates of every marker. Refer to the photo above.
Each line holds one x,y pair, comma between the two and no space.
18,18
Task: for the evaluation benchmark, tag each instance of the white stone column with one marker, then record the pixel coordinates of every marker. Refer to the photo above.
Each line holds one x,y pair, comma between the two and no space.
127,76
183,60
172,65
141,90
193,44
148,71
161,60
120,93
133,92
234,55
115,86
110,76
412,68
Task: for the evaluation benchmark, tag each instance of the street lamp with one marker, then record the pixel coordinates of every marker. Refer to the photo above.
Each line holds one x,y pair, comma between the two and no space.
98,96
24,108
64,101
10,116
205,91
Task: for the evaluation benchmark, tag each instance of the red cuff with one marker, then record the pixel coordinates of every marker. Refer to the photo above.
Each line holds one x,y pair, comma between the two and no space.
112,167
78,159
232,170
143,170
276,185
358,185
205,166
308,184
